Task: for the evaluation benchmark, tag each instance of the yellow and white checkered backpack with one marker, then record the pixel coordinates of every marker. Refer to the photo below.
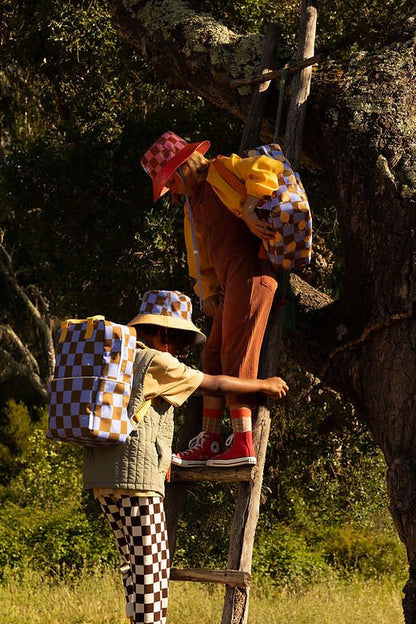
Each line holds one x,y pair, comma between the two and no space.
91,386
287,210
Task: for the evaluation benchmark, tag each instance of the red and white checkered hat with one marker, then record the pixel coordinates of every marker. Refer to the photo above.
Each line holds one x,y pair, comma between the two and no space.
165,156
168,308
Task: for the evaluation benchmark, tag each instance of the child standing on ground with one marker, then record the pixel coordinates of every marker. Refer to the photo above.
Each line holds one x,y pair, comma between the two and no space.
236,285
128,479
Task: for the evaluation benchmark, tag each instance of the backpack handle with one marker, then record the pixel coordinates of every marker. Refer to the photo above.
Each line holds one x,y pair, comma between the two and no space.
229,177
90,320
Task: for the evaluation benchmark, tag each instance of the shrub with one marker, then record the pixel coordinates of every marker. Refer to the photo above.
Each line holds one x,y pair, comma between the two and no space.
45,519
57,541
284,557
371,554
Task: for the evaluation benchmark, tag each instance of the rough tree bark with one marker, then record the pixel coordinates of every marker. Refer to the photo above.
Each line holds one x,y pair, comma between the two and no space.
360,130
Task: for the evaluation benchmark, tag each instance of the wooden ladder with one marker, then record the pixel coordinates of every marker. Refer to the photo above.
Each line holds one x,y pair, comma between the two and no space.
237,575
249,480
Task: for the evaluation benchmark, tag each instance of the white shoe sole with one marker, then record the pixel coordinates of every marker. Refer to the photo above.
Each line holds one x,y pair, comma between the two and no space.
237,461
187,463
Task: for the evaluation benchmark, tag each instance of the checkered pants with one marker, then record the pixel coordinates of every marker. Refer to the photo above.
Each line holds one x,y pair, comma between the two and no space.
139,527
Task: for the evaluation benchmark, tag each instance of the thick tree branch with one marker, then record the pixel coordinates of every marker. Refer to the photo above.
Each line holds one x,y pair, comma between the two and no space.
190,50
26,366
358,128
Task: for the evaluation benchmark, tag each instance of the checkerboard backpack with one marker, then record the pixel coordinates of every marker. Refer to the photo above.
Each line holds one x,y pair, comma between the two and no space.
287,209
90,389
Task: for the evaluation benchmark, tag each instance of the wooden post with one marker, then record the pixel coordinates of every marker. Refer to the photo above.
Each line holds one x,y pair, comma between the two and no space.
252,128
301,84
243,527
248,494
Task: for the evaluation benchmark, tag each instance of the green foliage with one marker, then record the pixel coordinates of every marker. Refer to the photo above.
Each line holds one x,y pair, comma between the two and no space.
57,541
40,470
48,473
370,553
45,521
328,253
326,499
283,556
15,426
204,526
309,550
362,24
75,203
254,15
324,508
15,429
342,26
321,455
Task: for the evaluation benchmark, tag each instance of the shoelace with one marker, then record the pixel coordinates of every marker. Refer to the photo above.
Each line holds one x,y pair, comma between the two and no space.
229,440
196,442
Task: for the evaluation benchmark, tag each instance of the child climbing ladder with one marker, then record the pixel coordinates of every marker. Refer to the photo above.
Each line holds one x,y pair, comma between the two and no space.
235,284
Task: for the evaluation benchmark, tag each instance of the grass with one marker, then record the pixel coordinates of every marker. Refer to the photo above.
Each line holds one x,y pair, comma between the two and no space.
98,599
338,602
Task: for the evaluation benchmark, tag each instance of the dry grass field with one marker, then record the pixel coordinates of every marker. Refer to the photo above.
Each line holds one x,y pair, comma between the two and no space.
98,599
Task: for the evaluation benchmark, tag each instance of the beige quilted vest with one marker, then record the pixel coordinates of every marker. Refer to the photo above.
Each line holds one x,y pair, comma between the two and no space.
140,463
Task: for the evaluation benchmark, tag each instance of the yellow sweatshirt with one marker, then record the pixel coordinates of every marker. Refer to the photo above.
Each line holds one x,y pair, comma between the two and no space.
260,176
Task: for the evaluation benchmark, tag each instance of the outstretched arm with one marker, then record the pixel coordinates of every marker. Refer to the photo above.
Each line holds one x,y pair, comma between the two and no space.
273,387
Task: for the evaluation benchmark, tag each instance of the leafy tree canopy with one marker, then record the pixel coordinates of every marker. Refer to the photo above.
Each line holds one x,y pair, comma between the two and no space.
79,110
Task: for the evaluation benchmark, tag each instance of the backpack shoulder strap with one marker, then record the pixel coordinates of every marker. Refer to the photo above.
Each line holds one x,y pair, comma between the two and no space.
229,177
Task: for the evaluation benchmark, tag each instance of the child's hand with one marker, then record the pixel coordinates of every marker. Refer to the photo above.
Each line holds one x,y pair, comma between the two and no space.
259,228
275,387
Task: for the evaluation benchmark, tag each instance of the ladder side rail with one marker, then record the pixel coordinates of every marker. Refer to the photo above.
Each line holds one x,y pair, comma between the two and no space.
252,128
244,525
301,84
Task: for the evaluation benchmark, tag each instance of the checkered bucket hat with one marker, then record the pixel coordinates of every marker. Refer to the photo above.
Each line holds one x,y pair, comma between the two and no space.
167,308
167,154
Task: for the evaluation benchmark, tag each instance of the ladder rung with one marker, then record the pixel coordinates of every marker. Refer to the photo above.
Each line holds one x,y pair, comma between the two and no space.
211,473
234,578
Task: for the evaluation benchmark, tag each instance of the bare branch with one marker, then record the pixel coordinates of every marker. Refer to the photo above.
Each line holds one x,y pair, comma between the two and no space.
33,379
6,331
6,267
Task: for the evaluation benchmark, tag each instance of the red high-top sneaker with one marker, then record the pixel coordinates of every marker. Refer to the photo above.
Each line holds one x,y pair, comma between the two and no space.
201,448
240,453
